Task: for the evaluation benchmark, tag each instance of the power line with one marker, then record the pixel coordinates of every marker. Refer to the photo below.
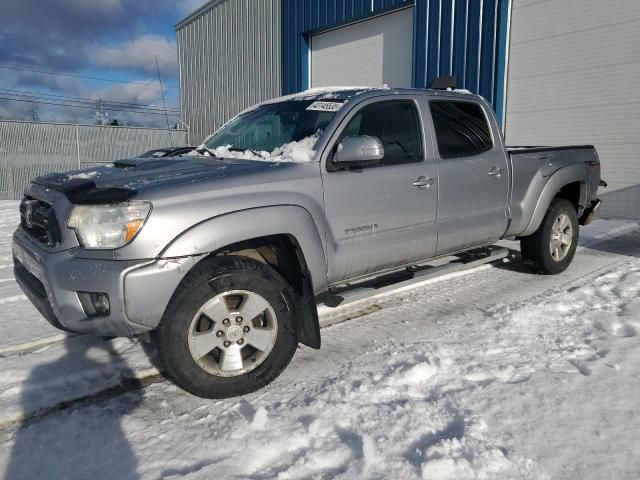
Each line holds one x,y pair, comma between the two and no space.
81,103
86,106
50,96
44,72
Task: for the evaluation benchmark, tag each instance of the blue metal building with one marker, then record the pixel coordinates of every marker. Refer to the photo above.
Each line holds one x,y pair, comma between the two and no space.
245,51
466,38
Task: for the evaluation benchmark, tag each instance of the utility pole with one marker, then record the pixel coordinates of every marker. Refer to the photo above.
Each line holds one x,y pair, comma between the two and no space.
101,114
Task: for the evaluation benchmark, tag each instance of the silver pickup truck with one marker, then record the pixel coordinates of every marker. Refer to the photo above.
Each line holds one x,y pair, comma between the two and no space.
222,256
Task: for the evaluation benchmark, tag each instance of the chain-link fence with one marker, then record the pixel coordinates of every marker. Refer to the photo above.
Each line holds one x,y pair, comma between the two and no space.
30,149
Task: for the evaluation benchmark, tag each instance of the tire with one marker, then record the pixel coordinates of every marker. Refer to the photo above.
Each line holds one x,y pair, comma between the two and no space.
539,252
206,311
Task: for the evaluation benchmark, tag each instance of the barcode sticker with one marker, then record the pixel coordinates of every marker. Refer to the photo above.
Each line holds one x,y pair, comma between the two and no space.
325,106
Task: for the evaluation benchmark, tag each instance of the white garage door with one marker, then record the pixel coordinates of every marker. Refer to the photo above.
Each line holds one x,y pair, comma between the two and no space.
369,53
574,77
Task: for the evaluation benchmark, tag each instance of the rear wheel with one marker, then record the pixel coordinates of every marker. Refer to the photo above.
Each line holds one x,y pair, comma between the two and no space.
550,249
229,328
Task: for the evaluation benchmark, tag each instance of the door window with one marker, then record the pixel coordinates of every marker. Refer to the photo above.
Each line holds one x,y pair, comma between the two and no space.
397,126
461,128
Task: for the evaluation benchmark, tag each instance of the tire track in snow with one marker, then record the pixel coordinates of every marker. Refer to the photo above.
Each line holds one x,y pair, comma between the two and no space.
12,299
140,381
28,347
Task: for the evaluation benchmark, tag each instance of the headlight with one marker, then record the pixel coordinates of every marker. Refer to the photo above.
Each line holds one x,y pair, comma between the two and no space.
108,226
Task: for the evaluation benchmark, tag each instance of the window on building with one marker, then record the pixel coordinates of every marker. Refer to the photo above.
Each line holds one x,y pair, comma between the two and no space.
461,128
397,126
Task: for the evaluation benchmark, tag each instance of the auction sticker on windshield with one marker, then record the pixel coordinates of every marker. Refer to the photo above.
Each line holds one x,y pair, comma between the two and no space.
326,106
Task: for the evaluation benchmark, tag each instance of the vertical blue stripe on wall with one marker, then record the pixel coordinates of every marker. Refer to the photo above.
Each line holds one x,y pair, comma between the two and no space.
466,38
501,59
470,76
419,45
433,37
487,49
460,38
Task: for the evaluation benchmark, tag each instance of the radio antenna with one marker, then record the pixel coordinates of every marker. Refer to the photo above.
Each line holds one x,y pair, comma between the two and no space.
166,115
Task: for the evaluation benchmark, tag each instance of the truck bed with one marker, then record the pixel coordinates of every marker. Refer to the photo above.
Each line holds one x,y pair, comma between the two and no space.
531,168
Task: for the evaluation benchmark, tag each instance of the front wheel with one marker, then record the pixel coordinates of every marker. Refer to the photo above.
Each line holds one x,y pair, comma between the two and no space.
550,249
229,328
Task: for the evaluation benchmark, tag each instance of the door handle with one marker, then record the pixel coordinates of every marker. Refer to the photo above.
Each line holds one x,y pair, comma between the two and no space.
423,182
495,172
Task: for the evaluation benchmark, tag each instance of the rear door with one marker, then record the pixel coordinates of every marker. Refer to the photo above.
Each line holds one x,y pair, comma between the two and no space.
473,176
376,216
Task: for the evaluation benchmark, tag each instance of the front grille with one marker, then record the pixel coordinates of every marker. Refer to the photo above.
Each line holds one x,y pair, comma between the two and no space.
38,218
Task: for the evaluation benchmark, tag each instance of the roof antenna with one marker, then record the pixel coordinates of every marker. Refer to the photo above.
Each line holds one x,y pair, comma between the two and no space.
166,115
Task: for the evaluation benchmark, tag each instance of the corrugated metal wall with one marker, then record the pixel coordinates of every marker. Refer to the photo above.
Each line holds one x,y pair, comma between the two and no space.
230,59
29,149
574,73
303,16
466,38
462,37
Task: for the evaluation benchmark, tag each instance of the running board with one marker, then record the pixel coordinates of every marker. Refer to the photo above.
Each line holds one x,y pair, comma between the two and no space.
351,292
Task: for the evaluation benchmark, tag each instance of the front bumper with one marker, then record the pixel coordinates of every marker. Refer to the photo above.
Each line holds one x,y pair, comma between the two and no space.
138,290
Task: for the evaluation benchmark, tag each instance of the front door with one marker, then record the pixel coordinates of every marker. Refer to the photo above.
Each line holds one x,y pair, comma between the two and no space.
376,217
473,176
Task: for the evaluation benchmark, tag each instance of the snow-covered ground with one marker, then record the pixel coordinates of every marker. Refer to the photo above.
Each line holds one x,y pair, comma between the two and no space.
493,373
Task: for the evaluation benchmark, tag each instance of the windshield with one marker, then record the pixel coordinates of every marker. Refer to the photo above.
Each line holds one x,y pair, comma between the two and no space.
285,130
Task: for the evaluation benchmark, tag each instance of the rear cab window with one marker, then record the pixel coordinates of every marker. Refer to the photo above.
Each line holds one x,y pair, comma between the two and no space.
395,123
461,128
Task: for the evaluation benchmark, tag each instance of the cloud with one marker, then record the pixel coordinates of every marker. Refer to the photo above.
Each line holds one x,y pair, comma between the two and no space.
74,18
138,54
187,7
134,93
53,34
97,38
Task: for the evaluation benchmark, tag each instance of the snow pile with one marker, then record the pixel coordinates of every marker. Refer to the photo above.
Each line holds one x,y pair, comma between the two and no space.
390,414
323,93
299,152
465,404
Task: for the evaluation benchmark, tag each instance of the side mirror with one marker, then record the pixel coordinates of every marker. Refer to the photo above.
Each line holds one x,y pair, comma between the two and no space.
358,151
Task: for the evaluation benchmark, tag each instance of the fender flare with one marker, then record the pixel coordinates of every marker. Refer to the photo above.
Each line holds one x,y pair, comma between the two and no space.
559,179
215,233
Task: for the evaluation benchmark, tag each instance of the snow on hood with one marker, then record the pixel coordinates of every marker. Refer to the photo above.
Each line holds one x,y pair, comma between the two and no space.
84,175
299,152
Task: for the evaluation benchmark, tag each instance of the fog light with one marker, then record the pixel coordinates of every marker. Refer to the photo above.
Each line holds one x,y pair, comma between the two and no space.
95,304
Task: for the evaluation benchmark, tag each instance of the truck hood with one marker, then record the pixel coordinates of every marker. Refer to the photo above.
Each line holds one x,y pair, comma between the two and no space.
123,179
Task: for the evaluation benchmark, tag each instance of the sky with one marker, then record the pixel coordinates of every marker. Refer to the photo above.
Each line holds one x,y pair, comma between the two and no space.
48,48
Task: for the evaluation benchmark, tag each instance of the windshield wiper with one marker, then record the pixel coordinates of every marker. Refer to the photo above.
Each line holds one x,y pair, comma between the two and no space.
238,149
203,149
